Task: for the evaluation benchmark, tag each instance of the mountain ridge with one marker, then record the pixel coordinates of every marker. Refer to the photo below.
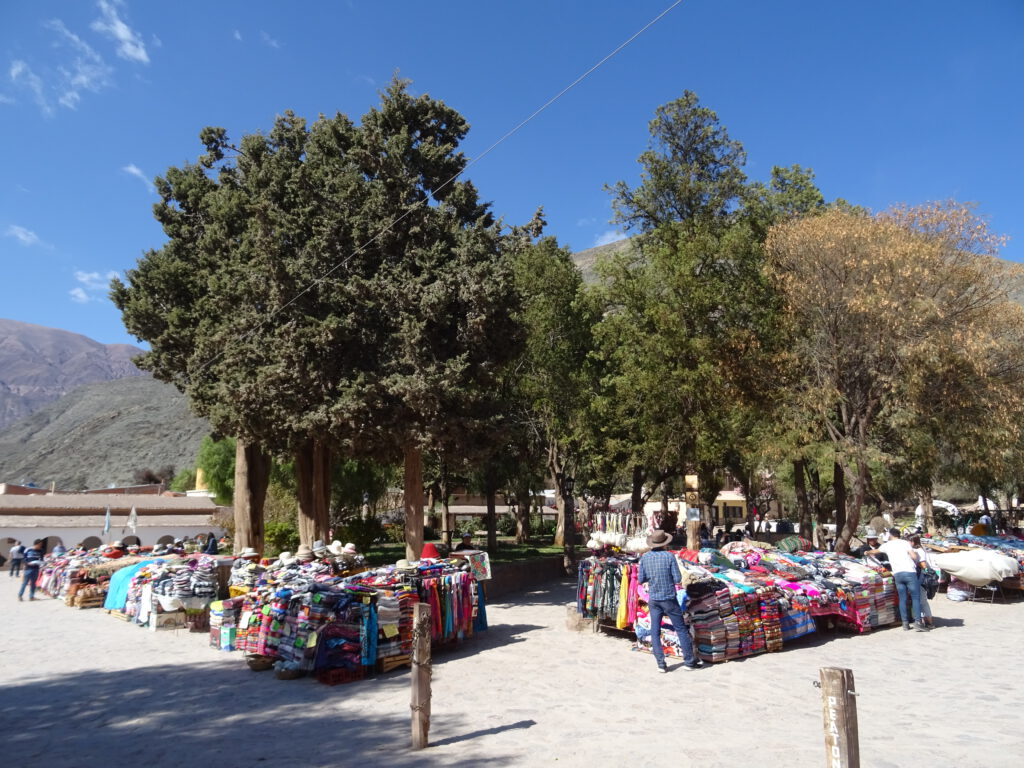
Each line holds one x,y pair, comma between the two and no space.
39,365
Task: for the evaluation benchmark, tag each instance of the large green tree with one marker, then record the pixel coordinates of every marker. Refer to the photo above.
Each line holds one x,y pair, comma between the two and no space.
689,341
330,290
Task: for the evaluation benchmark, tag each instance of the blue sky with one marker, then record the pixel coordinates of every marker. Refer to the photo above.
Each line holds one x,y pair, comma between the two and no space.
887,101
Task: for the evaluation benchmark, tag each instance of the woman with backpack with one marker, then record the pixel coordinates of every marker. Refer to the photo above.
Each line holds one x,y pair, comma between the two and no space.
929,581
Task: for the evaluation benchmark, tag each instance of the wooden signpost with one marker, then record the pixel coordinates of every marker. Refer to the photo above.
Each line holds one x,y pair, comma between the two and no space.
839,707
421,672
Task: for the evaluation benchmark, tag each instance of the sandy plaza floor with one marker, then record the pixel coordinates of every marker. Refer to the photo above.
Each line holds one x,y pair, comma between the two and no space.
79,688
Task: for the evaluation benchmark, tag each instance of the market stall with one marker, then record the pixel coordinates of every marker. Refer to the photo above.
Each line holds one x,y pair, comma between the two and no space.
306,617
742,600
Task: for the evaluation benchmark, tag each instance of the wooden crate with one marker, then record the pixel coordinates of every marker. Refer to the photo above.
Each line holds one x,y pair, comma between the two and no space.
389,663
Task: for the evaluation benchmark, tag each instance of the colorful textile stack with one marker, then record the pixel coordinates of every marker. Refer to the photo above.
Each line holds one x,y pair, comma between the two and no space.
709,631
771,624
224,620
796,619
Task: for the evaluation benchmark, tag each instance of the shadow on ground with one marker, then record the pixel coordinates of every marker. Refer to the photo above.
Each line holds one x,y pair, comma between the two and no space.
218,715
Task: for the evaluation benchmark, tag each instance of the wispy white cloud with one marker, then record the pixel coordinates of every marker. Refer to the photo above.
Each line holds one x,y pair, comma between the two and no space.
133,170
87,71
237,35
610,236
24,236
367,79
21,74
129,42
92,286
268,40
586,222
94,281
6,99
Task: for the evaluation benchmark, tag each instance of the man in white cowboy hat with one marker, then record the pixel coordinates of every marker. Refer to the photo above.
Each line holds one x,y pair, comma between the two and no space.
659,570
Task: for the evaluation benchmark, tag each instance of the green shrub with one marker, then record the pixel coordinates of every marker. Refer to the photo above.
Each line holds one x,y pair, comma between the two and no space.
364,532
280,536
506,525
394,532
541,527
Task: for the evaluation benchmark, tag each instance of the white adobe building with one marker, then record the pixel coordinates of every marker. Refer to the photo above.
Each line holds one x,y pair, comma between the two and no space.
78,518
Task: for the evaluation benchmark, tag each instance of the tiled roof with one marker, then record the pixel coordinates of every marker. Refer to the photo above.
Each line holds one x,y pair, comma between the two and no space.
94,503
117,522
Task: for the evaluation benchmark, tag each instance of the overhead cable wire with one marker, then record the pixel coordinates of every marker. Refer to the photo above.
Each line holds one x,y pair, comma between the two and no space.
387,228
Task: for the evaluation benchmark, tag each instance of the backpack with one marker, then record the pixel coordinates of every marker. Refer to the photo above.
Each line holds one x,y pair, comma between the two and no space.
929,582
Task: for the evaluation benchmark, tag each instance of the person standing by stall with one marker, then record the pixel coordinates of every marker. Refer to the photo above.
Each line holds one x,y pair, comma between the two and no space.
17,557
33,559
928,574
659,570
903,560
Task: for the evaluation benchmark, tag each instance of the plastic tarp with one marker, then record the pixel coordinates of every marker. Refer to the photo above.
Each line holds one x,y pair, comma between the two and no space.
977,567
117,592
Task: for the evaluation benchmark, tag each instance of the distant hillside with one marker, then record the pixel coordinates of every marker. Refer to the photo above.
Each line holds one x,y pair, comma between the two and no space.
100,434
39,365
587,260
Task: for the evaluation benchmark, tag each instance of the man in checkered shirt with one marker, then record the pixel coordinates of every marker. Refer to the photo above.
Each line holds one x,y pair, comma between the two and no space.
659,570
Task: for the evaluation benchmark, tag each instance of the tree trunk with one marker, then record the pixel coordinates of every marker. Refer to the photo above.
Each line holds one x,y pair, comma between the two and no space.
523,502
860,490
443,492
492,516
560,519
636,503
569,545
252,475
321,490
802,503
820,516
305,472
413,498
839,492
927,508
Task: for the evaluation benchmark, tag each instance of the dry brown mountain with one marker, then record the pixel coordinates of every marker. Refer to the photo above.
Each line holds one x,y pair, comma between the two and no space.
100,434
39,365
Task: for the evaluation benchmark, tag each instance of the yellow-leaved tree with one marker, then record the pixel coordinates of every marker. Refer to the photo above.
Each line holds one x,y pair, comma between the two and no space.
909,339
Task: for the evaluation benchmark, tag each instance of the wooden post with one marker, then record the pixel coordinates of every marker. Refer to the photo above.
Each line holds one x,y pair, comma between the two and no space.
693,534
420,675
839,706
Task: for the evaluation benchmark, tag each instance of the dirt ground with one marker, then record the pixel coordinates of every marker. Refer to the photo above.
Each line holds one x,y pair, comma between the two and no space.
79,688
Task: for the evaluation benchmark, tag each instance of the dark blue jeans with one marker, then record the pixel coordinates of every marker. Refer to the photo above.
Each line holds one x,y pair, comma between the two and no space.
16,567
909,583
29,580
671,609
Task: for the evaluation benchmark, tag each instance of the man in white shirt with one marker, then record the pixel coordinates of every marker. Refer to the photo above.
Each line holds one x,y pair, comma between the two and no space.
903,560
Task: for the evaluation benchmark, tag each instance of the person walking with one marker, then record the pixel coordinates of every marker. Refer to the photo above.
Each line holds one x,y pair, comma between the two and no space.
17,557
903,560
33,560
659,570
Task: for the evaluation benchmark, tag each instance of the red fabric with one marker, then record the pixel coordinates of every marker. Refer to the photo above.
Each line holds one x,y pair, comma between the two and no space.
429,550
689,555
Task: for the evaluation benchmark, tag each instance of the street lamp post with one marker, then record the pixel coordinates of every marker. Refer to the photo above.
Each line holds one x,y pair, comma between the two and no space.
569,506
